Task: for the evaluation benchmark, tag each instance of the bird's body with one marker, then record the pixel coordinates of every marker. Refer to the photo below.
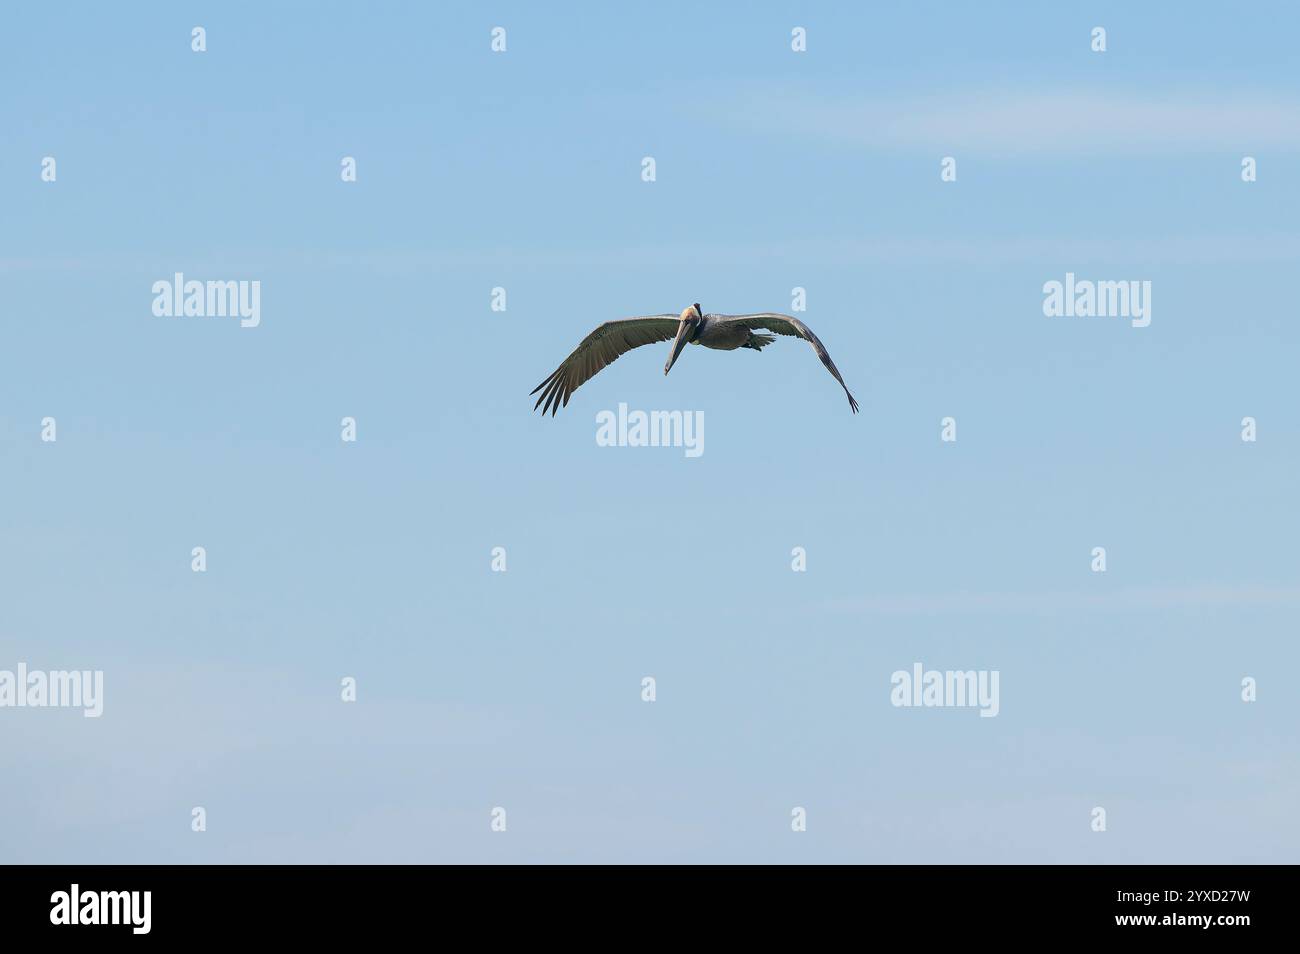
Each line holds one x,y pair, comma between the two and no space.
719,332
725,335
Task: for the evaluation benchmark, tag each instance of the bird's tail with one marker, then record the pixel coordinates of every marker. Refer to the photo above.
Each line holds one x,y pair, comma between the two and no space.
758,342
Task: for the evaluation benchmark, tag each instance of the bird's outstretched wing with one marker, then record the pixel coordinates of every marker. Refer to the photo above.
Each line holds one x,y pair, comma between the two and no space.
602,347
788,325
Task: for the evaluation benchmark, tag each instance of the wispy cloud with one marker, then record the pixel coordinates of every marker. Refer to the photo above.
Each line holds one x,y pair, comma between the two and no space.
1208,249
1122,600
1010,123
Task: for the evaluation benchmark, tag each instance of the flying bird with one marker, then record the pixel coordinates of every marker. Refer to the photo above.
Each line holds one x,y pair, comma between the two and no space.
607,343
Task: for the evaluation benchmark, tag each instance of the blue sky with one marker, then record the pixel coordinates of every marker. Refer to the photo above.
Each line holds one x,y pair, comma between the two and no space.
521,689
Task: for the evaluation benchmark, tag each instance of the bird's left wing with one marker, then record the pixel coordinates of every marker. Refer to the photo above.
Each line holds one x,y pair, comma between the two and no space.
602,347
789,325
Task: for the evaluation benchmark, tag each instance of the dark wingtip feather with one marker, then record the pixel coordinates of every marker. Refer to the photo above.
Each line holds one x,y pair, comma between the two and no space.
548,390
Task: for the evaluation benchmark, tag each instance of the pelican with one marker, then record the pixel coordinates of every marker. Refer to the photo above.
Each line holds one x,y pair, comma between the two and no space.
607,343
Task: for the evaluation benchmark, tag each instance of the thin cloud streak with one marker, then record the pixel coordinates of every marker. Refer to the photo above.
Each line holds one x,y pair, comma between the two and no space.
1124,600
849,252
1011,123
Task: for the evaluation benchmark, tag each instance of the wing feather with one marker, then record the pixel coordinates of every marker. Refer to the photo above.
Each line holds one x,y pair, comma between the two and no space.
598,351
792,327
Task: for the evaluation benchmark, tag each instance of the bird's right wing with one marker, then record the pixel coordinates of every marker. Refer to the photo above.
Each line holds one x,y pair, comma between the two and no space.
602,347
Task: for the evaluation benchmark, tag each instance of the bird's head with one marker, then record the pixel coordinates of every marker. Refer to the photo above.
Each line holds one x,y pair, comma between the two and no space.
689,324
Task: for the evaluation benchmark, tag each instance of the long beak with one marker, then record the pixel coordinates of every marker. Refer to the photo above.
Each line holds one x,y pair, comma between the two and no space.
683,335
